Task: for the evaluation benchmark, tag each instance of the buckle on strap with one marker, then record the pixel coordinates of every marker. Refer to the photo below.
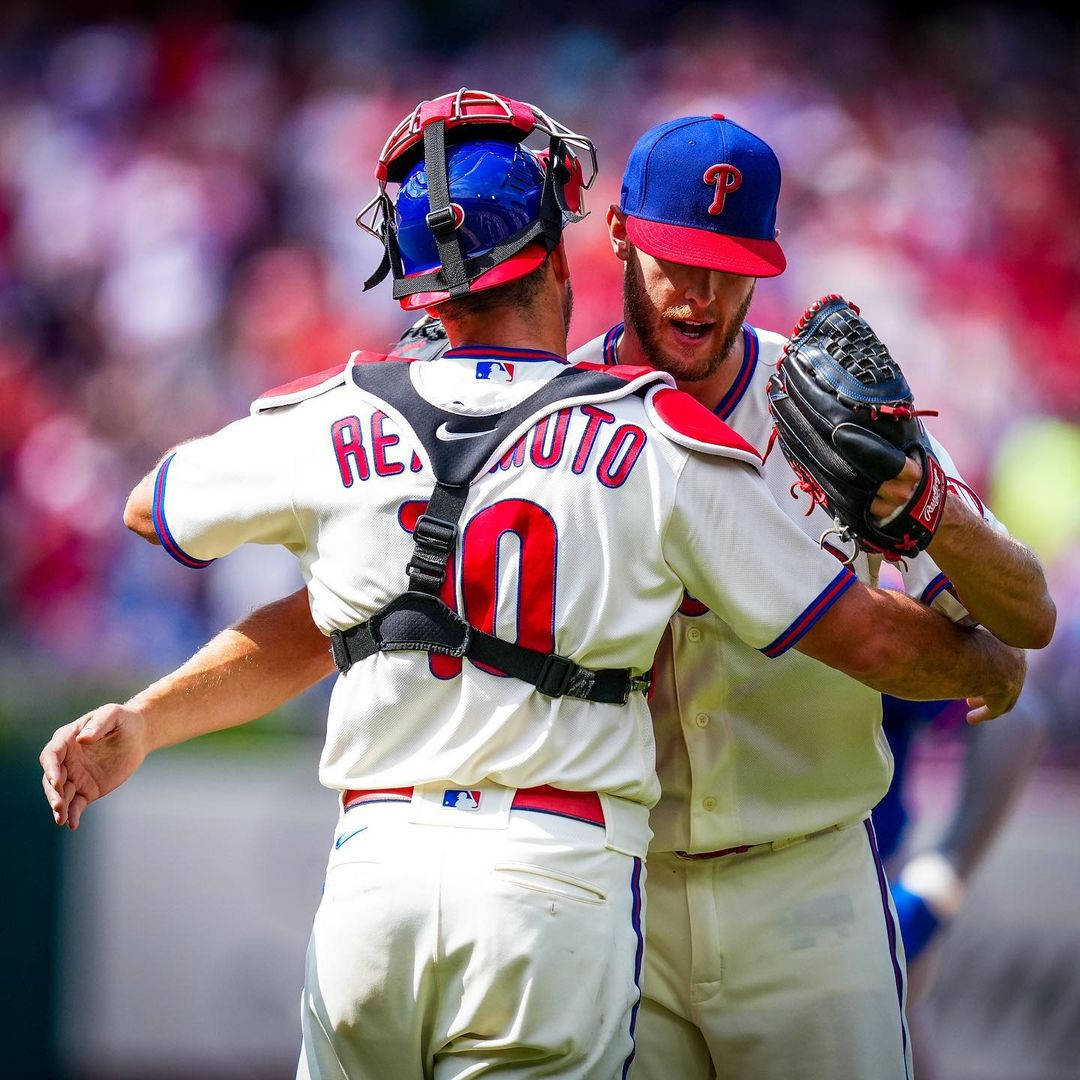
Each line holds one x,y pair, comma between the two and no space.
433,541
554,675
442,222
435,533
339,649
559,676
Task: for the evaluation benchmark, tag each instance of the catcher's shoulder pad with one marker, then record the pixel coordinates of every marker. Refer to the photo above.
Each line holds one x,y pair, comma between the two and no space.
684,420
309,386
629,372
637,378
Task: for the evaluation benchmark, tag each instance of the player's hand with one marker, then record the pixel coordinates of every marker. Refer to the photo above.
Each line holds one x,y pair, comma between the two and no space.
989,705
918,922
89,757
896,493
928,894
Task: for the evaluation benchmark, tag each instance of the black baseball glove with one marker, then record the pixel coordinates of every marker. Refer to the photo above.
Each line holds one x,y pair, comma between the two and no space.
846,421
424,340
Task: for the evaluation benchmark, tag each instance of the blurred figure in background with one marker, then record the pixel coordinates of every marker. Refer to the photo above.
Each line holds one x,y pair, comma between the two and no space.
1034,481
930,886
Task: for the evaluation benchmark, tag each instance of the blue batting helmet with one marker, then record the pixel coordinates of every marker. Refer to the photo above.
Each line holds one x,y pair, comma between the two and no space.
494,186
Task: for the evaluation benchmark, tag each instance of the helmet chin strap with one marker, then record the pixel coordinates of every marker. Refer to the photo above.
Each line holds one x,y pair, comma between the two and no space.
383,210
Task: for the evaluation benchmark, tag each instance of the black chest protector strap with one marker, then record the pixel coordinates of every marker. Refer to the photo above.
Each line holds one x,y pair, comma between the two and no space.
419,619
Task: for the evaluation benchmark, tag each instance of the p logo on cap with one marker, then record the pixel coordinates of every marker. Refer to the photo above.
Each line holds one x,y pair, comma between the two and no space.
702,191
726,178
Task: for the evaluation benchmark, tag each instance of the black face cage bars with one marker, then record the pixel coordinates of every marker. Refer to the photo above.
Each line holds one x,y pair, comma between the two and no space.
423,134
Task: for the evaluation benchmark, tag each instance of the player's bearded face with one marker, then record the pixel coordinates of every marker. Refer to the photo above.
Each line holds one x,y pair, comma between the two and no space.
686,319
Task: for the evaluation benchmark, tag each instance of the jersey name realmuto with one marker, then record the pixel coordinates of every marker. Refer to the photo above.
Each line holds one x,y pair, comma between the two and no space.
752,750
580,537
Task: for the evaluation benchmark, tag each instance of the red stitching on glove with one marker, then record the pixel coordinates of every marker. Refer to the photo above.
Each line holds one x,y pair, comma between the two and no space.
808,484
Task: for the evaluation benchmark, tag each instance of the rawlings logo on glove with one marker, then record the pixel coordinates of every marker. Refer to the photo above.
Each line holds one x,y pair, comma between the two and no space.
846,421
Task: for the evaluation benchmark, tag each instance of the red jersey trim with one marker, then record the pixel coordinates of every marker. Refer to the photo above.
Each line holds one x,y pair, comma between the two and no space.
329,376
936,587
737,391
161,526
811,613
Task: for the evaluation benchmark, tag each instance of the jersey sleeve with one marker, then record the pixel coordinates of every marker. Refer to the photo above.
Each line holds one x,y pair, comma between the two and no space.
923,580
738,553
233,487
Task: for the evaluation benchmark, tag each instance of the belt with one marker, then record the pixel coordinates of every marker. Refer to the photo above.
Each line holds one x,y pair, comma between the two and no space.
741,850
775,845
578,805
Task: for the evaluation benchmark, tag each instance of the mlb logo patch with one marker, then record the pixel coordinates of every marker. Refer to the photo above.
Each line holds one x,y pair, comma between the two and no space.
495,371
461,800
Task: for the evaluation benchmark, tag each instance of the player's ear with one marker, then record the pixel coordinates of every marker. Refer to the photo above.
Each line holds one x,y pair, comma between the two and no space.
616,223
560,264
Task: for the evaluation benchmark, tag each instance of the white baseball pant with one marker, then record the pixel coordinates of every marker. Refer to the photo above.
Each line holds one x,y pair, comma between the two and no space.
779,964
472,940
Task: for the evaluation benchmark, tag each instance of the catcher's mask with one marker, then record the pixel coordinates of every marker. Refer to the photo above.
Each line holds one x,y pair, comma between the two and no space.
476,208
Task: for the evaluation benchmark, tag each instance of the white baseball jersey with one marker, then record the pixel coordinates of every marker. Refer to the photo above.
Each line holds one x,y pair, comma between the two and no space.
579,536
752,750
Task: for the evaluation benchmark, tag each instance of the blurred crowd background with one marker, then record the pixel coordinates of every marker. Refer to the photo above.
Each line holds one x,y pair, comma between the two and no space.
176,235
177,193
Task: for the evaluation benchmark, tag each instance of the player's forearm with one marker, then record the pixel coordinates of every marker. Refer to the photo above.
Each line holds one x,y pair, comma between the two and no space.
953,662
899,647
998,579
245,672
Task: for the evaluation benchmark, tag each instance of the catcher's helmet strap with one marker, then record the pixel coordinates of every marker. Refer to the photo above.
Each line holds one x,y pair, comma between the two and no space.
476,267
441,220
391,260
381,270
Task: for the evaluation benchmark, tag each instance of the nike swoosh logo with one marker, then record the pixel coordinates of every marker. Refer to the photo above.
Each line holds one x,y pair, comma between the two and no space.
348,836
444,433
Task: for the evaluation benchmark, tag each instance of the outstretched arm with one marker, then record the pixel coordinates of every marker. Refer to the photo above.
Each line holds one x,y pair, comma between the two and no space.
900,647
999,580
245,672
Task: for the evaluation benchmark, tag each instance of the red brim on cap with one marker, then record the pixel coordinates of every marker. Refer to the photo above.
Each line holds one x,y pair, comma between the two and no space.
710,250
517,266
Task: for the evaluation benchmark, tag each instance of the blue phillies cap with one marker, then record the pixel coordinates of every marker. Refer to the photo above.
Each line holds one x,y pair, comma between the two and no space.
702,191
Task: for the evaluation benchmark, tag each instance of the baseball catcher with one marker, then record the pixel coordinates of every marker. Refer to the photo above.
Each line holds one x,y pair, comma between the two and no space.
846,422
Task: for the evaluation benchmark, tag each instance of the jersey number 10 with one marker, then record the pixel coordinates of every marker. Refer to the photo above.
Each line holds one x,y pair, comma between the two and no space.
477,582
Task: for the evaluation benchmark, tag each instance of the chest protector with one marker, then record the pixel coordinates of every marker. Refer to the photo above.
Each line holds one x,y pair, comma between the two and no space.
418,619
